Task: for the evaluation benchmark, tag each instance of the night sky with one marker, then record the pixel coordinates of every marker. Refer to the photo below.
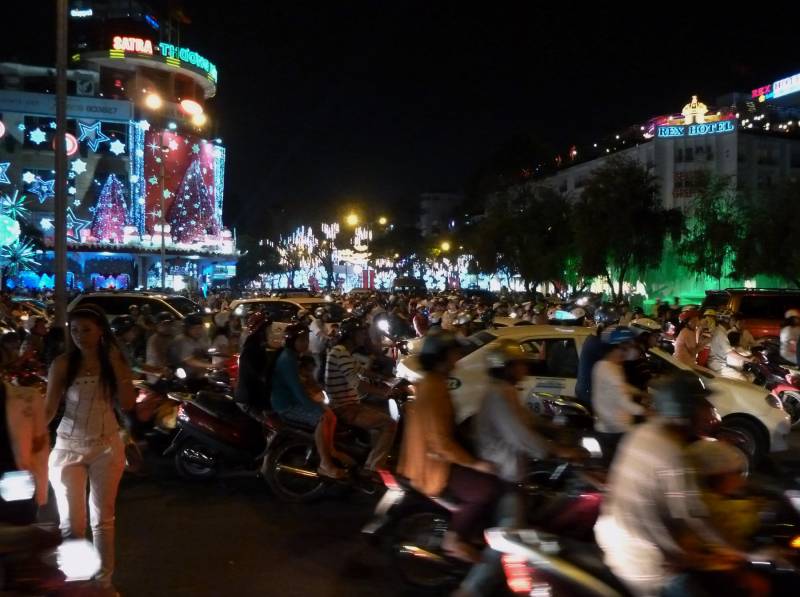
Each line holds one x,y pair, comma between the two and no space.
327,104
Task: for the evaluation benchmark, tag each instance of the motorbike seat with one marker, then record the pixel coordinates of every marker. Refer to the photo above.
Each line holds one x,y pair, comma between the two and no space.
218,405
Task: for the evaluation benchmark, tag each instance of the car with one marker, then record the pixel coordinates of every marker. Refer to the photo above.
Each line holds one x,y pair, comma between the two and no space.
410,286
507,322
762,309
755,420
34,307
282,311
119,303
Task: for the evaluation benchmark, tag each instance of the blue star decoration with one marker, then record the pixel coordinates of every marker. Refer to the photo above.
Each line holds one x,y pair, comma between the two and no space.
42,189
74,226
97,136
3,172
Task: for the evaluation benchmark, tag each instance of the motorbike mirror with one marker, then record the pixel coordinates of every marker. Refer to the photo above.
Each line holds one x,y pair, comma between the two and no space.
180,373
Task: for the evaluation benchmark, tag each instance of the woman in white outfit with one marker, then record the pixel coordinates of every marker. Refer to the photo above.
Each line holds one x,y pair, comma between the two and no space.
94,380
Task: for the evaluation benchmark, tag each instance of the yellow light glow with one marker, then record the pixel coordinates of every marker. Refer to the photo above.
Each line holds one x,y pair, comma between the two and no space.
445,246
382,221
796,542
153,101
199,119
351,219
191,107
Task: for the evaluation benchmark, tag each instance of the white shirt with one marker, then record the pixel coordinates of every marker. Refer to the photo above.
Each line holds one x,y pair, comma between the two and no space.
612,398
720,347
789,336
317,335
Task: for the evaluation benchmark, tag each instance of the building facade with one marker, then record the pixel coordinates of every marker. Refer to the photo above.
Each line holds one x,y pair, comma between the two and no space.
146,179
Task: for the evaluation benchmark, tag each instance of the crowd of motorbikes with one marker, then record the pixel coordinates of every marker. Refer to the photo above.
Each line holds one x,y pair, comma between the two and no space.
196,422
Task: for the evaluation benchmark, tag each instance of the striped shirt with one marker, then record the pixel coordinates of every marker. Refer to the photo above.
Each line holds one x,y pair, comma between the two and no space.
341,377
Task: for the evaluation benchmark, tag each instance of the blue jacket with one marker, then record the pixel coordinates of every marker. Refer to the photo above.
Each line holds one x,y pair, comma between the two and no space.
592,351
287,391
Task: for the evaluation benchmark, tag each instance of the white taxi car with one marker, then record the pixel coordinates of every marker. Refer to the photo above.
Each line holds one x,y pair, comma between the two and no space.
749,413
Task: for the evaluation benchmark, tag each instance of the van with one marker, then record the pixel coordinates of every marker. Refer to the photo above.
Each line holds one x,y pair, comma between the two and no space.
762,309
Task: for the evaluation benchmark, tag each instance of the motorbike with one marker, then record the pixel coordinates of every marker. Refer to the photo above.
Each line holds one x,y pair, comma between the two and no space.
782,380
411,526
539,561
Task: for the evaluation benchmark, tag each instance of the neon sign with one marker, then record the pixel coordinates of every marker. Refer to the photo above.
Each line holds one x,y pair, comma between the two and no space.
777,89
133,44
186,55
81,13
694,130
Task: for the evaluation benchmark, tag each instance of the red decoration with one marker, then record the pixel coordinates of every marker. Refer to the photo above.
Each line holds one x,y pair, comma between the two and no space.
110,212
191,215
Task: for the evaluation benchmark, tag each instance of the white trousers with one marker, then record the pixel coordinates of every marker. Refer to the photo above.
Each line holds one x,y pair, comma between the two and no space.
74,464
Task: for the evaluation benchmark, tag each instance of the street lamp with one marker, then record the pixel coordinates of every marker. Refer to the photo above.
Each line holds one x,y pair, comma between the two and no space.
351,219
383,221
153,101
445,246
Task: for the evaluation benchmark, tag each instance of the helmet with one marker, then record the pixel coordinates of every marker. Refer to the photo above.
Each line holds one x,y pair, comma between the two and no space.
617,335
712,457
502,353
165,317
292,332
645,324
688,315
122,324
463,318
319,312
677,396
255,320
606,315
302,314
792,313
349,327
133,309
578,312
435,346
435,318
710,313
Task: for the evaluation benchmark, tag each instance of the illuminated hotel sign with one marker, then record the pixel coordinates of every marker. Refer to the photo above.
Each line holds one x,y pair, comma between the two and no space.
173,55
777,89
694,130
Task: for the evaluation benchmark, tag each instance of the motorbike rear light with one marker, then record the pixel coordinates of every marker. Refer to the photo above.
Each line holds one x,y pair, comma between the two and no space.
388,479
519,575
795,542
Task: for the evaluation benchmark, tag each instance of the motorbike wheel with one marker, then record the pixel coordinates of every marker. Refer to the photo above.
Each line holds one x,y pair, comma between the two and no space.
290,470
195,462
791,404
745,435
417,552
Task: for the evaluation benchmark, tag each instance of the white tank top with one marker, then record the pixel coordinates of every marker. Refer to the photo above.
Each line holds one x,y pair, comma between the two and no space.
88,414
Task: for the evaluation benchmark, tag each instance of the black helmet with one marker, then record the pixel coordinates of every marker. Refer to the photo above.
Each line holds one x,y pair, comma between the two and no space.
435,346
165,317
348,328
292,332
677,396
122,324
192,320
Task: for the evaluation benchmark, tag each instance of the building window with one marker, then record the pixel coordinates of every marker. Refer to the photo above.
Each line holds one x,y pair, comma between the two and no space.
689,156
709,153
678,154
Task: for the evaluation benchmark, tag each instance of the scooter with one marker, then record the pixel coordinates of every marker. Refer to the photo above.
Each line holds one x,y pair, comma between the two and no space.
780,379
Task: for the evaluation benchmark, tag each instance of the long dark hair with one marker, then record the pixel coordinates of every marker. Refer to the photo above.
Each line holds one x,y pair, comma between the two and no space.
108,341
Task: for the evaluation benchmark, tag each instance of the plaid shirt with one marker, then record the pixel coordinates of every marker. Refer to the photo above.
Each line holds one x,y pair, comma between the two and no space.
653,510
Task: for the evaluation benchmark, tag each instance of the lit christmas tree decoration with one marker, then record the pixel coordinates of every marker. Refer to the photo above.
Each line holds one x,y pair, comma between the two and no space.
110,212
193,213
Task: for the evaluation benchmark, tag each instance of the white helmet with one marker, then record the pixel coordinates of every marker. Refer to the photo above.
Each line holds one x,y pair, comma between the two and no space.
646,325
791,313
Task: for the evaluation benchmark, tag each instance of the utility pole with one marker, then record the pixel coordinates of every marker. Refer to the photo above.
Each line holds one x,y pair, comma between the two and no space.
60,248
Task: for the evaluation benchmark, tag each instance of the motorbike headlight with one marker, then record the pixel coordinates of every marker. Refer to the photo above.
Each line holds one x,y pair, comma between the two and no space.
773,401
17,486
383,325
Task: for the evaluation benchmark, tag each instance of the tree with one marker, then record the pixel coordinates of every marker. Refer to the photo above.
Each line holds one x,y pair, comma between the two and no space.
258,257
619,223
771,229
324,253
402,245
193,212
713,228
110,212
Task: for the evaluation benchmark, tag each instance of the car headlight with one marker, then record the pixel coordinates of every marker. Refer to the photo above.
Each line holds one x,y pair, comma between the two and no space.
773,401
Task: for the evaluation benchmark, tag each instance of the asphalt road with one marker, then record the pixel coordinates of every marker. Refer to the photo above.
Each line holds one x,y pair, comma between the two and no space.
231,537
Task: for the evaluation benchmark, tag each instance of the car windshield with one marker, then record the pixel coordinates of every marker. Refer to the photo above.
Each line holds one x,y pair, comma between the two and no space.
336,312
475,341
183,305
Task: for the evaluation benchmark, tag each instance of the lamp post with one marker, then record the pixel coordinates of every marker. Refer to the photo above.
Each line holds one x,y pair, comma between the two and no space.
164,150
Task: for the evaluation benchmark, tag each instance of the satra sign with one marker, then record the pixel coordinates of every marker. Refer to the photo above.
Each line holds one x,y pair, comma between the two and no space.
694,112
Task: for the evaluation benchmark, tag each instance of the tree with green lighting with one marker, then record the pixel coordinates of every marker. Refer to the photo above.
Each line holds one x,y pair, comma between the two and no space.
619,223
713,228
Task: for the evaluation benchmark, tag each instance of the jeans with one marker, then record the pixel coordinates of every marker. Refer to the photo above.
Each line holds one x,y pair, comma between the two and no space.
101,463
370,418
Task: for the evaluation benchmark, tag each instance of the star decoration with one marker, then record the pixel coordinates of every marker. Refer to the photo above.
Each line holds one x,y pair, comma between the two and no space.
76,202
152,180
42,189
37,136
117,147
97,136
78,166
173,144
74,226
167,194
195,148
4,172
28,177
144,125
53,124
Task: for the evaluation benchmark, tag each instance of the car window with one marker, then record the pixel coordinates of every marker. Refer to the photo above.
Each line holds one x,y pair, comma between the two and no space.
112,305
183,305
660,366
475,341
716,300
757,306
336,312
551,357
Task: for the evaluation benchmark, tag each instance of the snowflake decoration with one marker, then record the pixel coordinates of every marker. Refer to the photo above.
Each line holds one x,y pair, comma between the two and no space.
117,147
78,166
93,133
53,124
173,144
195,148
154,146
28,177
72,190
158,160
13,206
37,136
144,125
21,126
4,172
76,203
19,256
46,224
